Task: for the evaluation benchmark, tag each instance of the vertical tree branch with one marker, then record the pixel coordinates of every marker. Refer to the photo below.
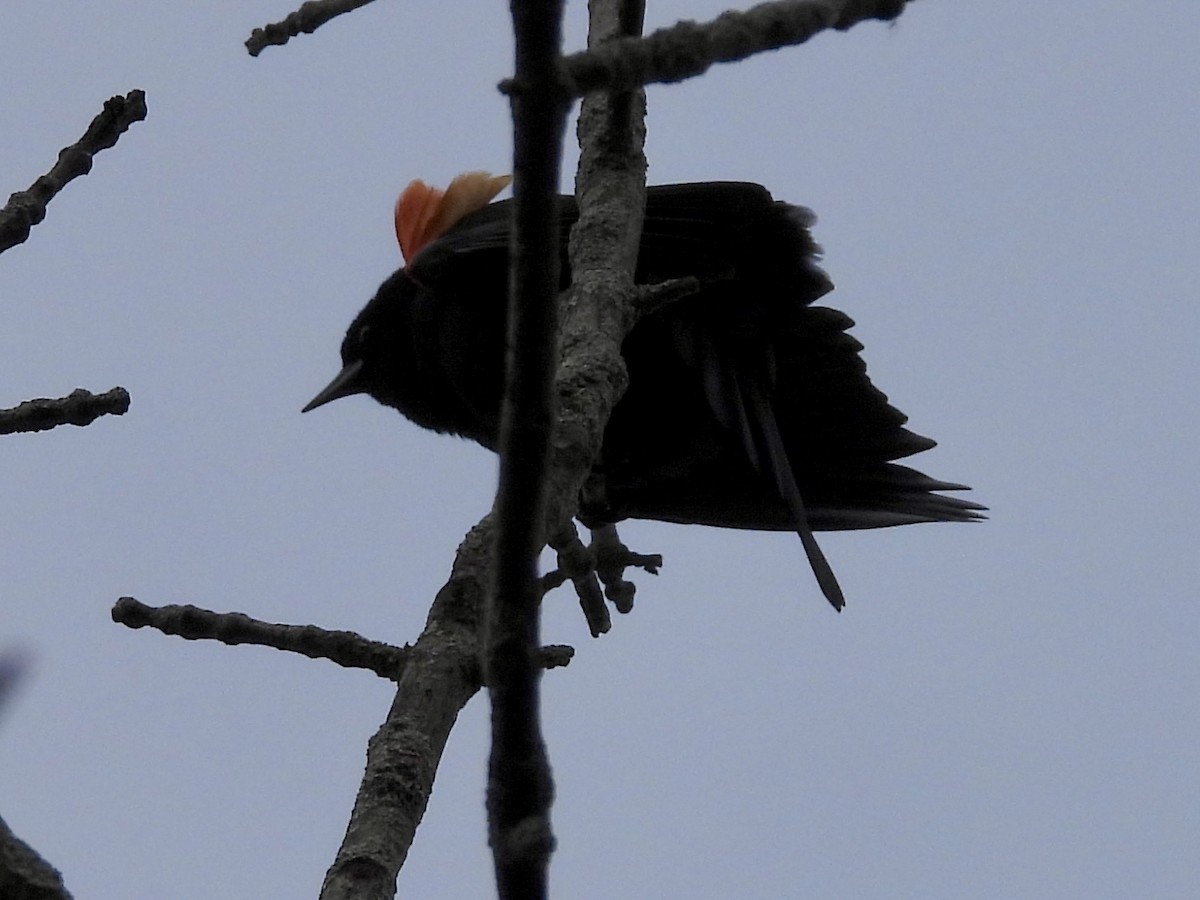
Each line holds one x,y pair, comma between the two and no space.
600,307
520,787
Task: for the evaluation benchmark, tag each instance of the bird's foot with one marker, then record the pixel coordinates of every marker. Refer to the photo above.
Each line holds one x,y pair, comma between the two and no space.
597,571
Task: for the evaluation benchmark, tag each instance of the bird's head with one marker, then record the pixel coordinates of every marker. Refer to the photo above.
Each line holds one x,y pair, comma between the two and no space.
377,336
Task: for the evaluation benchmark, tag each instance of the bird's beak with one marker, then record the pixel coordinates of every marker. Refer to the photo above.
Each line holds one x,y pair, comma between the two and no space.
345,383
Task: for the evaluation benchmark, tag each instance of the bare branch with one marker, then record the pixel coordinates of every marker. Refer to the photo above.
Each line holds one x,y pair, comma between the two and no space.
600,307
194,624
80,408
311,15
555,656
435,678
688,49
520,786
346,648
26,208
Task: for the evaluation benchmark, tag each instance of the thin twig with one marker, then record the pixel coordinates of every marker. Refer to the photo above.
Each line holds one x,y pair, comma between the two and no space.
26,208
80,408
193,623
311,15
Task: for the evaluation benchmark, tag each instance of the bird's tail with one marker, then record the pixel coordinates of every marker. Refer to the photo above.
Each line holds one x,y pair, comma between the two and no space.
764,445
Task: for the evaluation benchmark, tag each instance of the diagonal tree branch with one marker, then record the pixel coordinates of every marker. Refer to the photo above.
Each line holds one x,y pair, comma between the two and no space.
311,15
441,675
26,208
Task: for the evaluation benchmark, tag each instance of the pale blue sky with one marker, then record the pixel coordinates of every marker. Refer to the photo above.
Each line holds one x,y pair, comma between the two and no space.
1009,203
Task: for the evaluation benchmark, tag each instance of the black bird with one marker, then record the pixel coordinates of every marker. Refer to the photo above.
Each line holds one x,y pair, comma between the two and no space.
747,406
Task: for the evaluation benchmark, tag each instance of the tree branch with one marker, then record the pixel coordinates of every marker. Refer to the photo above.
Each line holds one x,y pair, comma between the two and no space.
442,674
193,624
80,408
26,208
600,307
520,786
311,15
688,49
346,648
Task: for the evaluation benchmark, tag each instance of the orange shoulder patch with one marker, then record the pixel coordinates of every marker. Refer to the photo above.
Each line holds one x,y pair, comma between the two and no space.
424,213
